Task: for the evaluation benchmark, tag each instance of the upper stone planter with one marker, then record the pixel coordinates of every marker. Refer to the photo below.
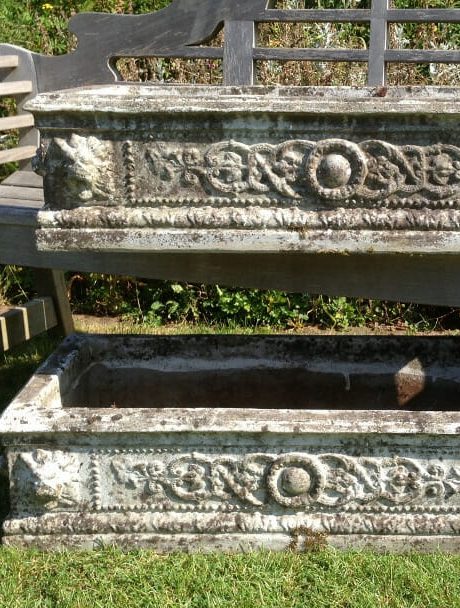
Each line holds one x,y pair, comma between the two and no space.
253,169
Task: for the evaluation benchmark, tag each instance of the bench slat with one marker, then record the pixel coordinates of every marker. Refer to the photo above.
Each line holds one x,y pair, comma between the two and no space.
416,56
321,15
21,323
340,15
17,87
9,61
411,15
313,54
20,214
18,202
21,192
16,122
15,154
24,178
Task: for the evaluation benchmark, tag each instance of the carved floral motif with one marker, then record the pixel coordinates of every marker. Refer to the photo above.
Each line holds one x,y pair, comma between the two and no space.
291,481
332,169
295,185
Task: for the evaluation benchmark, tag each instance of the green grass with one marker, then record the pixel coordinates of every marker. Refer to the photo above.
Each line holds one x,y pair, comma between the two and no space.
141,579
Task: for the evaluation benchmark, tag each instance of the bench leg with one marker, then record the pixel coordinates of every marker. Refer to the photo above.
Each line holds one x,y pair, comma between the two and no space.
50,282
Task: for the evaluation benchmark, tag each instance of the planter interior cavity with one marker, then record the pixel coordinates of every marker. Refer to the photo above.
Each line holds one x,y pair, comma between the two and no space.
297,374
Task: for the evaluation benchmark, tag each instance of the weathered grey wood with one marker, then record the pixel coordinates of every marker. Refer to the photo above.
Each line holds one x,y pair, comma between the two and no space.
21,193
312,15
22,213
431,15
25,71
416,56
9,61
20,323
164,33
19,87
15,154
49,282
16,122
296,54
28,179
192,52
238,53
378,43
18,203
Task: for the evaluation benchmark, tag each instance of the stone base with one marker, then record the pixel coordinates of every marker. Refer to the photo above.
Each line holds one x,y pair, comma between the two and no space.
203,443
240,543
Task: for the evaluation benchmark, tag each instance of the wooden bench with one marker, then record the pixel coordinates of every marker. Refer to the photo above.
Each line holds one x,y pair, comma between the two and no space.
182,30
21,195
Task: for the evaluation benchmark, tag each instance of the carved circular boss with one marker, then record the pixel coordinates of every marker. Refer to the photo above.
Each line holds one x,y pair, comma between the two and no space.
336,168
295,481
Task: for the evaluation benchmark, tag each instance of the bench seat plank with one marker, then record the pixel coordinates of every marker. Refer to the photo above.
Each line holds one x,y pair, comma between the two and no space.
21,121
9,61
16,87
18,213
12,203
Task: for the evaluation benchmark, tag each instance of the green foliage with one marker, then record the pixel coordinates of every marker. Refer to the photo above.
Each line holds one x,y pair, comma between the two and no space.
15,284
43,26
158,302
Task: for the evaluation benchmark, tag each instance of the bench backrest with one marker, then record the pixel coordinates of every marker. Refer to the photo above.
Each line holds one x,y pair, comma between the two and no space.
18,81
181,31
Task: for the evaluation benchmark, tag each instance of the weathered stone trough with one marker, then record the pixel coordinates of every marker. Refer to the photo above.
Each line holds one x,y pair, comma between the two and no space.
252,169
238,442
233,442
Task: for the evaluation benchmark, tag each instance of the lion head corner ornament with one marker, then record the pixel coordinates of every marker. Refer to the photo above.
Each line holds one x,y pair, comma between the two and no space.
76,172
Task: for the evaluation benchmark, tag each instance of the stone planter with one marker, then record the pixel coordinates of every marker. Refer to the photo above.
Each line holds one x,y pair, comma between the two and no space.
234,443
238,442
253,170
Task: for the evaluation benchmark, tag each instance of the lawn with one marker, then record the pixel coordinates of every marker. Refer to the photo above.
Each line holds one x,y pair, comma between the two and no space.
110,578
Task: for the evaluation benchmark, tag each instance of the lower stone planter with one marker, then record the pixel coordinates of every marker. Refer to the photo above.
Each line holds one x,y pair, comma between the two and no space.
237,443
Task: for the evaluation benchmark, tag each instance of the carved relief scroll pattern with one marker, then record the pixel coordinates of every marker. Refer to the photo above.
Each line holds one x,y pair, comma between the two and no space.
172,480
290,481
81,172
334,170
